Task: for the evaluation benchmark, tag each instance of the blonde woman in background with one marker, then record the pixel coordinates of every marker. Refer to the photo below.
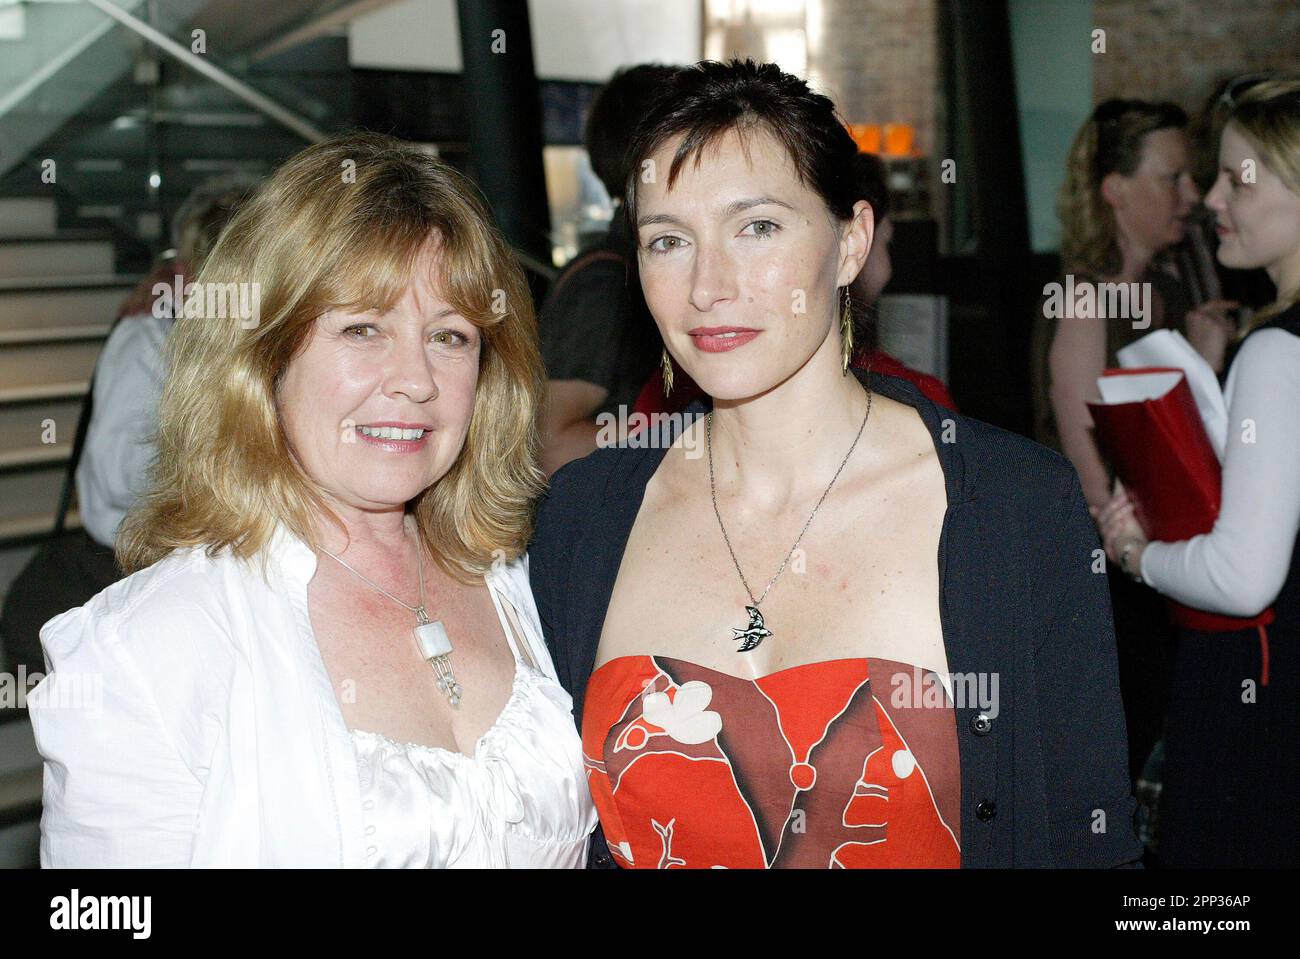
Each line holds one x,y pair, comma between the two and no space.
1127,195
335,472
1232,760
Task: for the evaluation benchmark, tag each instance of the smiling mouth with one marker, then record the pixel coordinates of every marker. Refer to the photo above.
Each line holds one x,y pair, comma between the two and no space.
391,432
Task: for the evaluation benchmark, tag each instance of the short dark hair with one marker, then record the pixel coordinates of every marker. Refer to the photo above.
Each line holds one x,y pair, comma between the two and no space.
871,179
614,114
705,101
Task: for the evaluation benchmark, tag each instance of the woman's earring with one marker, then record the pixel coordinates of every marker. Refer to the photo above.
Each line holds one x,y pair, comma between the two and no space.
846,330
667,364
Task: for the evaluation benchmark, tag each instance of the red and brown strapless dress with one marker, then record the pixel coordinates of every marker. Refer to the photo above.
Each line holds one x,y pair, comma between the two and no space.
835,764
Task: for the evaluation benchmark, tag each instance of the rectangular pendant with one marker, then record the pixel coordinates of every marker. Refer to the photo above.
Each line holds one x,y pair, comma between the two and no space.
433,640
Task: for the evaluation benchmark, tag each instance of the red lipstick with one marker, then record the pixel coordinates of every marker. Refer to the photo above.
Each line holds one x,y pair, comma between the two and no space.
720,339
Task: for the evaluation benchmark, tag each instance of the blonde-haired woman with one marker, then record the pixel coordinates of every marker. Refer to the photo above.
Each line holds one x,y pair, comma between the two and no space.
1127,194
1232,759
328,654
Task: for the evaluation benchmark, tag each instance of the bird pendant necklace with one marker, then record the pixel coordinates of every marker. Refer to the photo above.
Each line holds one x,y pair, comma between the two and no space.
756,631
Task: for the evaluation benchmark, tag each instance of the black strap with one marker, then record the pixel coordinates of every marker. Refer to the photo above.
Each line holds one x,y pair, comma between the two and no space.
1288,319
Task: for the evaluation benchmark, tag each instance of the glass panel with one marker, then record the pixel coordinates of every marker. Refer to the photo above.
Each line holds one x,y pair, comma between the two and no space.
104,136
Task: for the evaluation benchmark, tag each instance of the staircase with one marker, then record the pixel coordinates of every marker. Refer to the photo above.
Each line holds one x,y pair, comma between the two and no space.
59,291
72,249
129,134
56,57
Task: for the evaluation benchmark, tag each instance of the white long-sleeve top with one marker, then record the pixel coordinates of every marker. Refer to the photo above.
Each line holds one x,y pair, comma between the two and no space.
1239,567
115,460
188,720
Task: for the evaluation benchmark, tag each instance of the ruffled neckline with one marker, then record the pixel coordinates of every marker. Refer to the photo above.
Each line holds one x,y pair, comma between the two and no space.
525,676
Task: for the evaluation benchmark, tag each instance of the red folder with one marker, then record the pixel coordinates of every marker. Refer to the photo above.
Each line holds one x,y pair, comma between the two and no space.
1164,458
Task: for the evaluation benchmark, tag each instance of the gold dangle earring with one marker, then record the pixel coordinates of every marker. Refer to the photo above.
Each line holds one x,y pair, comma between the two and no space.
666,362
846,330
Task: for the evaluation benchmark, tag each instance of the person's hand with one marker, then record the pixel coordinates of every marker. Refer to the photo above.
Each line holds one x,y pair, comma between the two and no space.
1210,329
1119,526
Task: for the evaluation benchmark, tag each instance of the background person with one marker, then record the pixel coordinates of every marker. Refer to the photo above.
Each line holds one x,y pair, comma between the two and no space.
129,373
1232,750
113,446
1127,197
870,172
598,340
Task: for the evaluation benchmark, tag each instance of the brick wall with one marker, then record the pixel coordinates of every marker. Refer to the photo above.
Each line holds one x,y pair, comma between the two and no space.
1179,49
878,60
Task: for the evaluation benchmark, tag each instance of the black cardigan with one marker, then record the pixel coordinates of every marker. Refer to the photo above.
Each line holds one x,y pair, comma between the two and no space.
1022,593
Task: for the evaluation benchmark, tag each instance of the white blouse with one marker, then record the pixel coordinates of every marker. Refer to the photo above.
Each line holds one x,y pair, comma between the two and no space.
1239,567
521,799
187,719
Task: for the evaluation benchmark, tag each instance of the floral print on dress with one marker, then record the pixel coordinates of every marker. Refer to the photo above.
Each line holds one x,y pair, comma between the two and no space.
809,767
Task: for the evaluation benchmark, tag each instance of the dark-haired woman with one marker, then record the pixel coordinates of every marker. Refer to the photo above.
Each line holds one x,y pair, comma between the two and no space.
869,172
832,625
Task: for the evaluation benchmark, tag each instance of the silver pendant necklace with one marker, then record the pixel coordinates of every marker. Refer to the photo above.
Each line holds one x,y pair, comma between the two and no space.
430,636
753,634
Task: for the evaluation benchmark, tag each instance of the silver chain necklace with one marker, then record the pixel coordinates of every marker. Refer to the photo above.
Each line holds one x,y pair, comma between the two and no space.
756,632
430,637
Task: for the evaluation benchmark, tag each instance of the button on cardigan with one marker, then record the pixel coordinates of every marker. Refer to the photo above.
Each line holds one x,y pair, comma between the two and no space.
1022,596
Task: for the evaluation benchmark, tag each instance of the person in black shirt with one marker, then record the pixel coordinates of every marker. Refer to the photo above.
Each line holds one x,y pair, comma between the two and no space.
598,340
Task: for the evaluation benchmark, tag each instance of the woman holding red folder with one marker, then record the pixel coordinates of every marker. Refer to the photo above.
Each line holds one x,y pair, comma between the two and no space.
1232,762
1126,199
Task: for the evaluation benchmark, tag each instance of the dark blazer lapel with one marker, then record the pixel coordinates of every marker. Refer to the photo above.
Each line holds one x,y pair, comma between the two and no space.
966,584
599,554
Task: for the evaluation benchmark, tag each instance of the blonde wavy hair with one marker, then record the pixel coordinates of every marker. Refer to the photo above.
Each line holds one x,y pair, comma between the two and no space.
339,227
1110,141
1267,113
